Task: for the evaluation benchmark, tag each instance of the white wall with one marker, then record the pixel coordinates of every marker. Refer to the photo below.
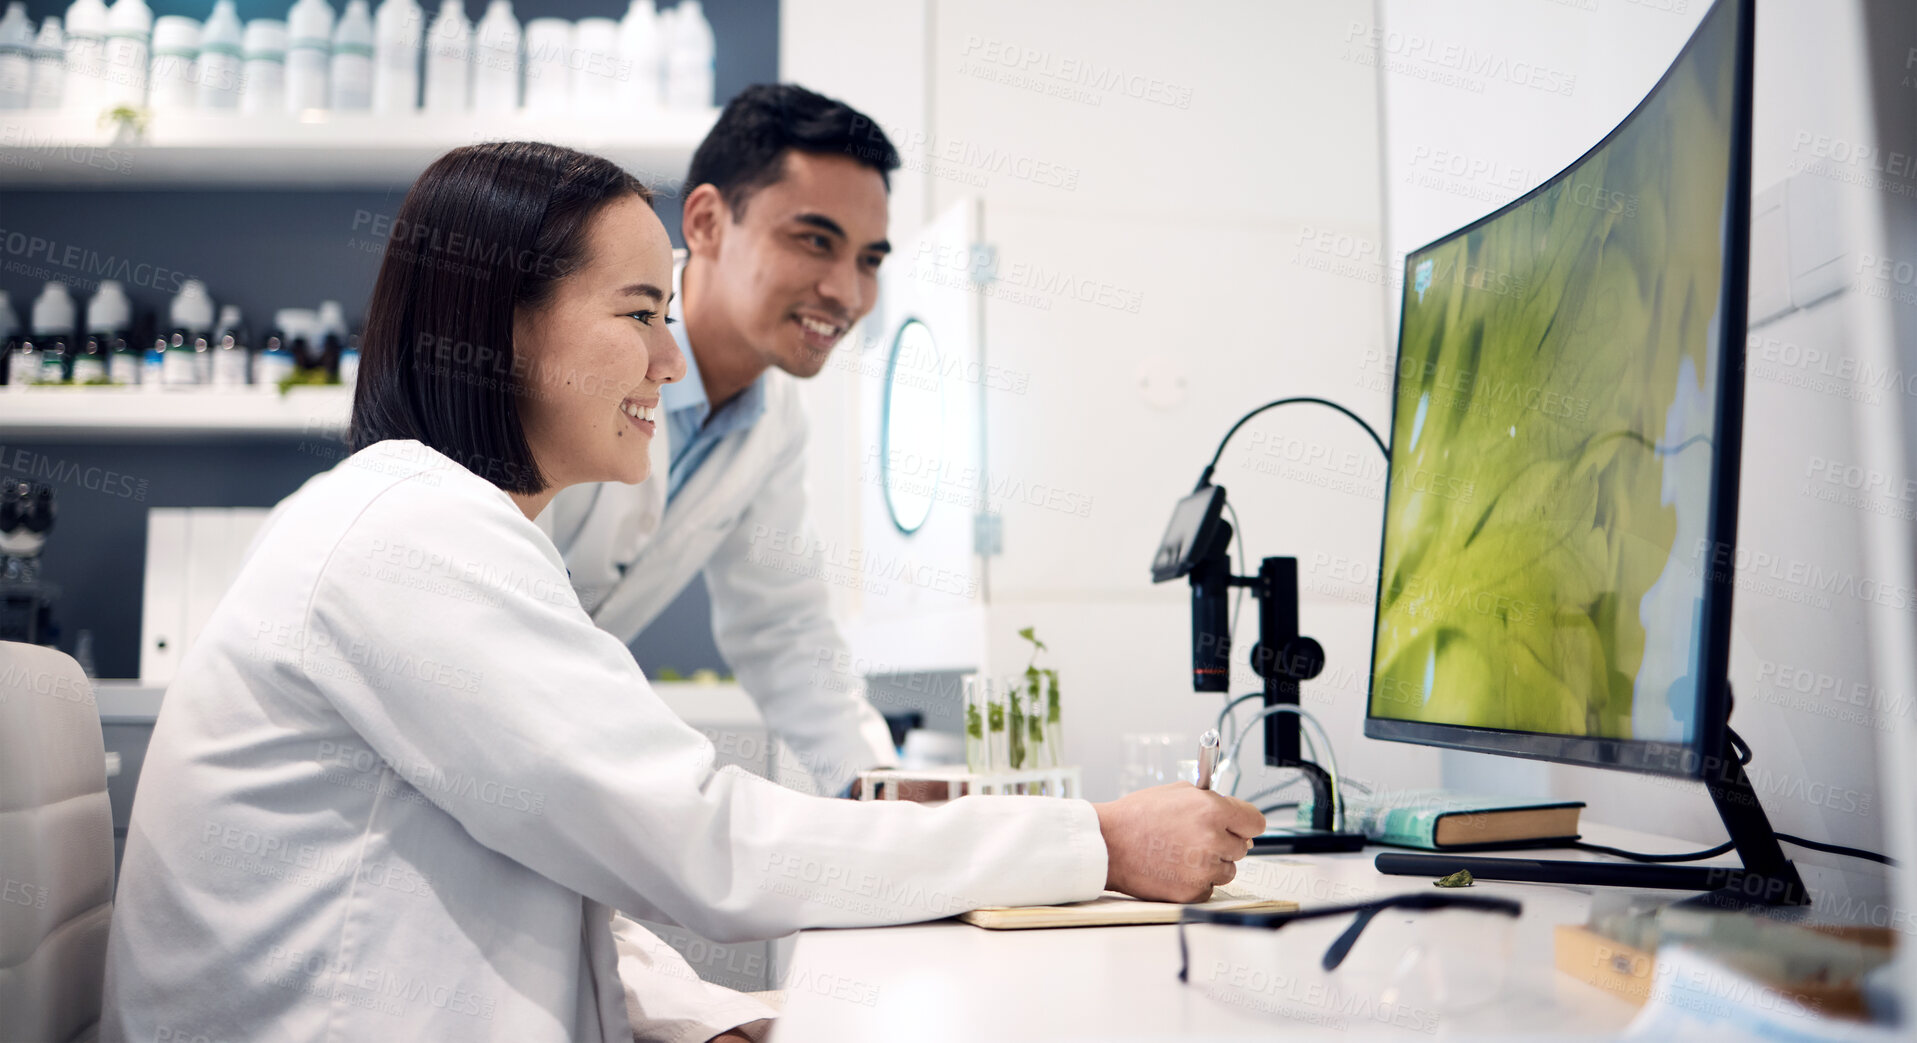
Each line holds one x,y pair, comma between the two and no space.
1201,214
1451,155
1185,210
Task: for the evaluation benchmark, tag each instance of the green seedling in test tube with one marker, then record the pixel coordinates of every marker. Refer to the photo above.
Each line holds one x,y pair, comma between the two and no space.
1043,679
1017,731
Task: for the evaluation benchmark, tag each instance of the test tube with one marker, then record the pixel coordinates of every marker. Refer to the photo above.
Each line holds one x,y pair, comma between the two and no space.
978,738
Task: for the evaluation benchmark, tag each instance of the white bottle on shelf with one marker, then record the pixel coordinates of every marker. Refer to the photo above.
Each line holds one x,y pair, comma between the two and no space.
110,316
86,27
263,81
496,60
689,54
220,70
352,72
191,309
108,310
449,60
639,50
176,47
191,315
309,50
48,86
396,37
548,77
274,361
129,28
23,365
53,333
595,66
229,363
16,56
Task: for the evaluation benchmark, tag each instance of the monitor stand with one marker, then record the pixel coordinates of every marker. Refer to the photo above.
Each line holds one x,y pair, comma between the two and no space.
1765,878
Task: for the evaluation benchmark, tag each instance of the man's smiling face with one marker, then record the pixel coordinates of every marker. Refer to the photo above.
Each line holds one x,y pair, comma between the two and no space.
800,265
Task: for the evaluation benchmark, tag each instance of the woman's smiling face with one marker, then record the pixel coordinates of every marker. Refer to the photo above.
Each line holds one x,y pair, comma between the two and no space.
597,352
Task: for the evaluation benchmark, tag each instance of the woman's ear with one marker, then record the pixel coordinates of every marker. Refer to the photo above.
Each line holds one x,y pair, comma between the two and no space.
702,222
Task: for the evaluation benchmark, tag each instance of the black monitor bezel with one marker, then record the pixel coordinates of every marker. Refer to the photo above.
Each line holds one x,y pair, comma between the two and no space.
1696,758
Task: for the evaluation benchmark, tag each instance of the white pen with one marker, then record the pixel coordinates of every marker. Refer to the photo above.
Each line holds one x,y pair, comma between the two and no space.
1207,757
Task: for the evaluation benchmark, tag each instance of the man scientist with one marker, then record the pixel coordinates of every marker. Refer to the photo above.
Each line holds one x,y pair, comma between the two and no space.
784,224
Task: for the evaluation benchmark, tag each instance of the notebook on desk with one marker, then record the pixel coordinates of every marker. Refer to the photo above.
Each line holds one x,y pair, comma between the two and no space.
1112,909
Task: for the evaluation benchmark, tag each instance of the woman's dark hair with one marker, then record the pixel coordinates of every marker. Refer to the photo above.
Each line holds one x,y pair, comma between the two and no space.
486,230
745,150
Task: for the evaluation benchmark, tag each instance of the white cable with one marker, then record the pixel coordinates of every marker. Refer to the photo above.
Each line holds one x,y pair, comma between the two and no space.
1235,738
1331,755
1238,774
1225,718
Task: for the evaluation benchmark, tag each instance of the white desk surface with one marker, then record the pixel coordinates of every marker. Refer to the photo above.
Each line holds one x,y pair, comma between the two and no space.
951,981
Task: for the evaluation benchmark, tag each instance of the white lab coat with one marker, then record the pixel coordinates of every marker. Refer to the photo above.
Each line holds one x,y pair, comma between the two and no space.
741,518
402,780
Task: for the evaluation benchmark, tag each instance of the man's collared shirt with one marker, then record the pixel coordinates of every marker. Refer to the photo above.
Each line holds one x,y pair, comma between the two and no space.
695,429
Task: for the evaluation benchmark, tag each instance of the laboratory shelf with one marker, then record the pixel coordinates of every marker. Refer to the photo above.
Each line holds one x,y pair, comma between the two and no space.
319,149
115,413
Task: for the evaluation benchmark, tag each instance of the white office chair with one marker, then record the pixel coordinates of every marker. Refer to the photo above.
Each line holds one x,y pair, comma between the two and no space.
56,848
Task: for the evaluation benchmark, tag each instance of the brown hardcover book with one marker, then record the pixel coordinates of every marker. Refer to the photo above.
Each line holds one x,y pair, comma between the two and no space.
1470,828
1445,820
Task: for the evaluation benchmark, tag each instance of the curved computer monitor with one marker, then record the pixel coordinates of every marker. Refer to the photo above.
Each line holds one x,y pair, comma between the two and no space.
1555,574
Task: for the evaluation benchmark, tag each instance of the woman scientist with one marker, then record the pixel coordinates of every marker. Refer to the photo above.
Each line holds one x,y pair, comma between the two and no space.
401,780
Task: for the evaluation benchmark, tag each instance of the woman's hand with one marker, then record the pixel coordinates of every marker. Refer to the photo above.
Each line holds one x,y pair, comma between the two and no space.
1173,843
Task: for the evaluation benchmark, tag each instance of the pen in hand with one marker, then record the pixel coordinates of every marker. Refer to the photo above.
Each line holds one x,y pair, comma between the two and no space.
1207,757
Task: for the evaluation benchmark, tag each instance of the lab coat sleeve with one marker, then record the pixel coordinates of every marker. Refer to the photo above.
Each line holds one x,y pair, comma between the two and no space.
666,1000
772,621
447,635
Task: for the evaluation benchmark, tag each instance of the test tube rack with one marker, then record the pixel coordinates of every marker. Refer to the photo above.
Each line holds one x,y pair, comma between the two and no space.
882,784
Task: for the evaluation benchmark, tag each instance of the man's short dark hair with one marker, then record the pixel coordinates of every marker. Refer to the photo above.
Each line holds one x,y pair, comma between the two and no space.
745,150
486,230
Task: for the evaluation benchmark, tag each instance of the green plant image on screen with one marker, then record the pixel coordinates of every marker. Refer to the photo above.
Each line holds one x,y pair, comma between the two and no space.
1553,434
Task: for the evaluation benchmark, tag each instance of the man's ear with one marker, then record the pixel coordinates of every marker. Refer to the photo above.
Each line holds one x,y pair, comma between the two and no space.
703,220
